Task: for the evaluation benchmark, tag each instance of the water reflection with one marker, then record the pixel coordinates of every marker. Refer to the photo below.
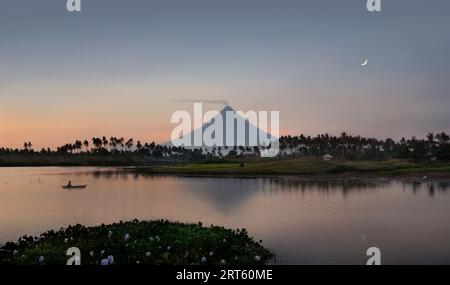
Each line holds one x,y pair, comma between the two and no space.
303,220
346,186
430,187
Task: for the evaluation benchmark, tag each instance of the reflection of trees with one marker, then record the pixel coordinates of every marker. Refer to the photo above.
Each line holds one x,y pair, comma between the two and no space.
345,185
286,184
432,186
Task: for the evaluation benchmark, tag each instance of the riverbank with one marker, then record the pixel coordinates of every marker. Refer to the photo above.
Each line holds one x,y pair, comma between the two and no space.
139,242
309,167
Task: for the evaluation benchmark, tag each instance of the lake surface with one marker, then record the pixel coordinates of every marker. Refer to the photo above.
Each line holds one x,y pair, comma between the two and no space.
328,222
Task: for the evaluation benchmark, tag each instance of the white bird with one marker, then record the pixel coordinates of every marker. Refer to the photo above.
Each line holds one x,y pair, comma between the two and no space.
110,259
104,262
203,260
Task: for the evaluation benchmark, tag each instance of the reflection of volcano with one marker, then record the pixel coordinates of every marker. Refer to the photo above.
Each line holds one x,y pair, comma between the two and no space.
226,195
228,115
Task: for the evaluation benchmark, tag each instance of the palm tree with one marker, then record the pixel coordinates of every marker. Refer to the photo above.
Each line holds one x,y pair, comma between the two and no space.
86,145
105,142
138,145
129,144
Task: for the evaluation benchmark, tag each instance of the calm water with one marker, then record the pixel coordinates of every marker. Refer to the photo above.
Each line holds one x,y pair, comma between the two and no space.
302,222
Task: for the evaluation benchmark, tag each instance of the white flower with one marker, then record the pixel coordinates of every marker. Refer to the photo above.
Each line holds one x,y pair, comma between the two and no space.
203,260
137,262
168,248
110,259
148,253
257,258
211,253
222,261
235,258
66,240
157,238
151,238
102,252
41,259
15,252
91,253
104,262
126,237
224,240
110,233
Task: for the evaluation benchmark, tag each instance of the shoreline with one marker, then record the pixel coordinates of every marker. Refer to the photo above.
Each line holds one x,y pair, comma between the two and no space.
298,170
430,177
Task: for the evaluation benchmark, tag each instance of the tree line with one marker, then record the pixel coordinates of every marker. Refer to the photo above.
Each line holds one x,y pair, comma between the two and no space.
434,147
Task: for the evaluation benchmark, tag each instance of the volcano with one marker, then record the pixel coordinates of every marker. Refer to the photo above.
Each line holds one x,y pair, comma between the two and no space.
238,138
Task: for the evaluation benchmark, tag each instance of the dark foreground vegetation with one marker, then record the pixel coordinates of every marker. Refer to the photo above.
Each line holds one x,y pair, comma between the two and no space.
139,242
118,151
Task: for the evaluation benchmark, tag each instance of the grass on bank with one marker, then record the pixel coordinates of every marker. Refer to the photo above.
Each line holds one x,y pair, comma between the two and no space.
300,167
139,242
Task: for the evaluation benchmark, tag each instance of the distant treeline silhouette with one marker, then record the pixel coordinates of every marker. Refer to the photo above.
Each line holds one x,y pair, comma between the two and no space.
119,151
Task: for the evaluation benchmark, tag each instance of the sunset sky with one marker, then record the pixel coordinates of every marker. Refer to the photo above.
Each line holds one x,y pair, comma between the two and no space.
121,68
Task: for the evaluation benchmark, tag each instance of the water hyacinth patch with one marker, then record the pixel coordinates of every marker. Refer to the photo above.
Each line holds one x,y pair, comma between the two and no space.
140,242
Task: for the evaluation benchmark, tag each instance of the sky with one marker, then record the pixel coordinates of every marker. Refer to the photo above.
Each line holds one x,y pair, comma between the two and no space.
121,68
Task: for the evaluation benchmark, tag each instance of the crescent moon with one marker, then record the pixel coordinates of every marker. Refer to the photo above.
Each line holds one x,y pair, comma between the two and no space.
365,62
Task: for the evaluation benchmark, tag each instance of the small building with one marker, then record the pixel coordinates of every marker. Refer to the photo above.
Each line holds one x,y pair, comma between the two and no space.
327,157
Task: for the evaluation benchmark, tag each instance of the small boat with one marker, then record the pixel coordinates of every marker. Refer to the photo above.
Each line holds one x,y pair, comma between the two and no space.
74,186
